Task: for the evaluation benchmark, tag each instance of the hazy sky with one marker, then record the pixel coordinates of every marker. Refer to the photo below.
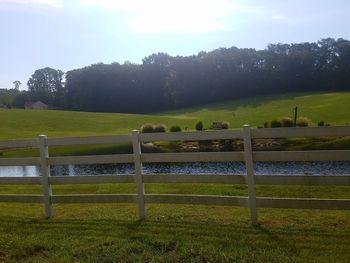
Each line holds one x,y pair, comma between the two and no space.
68,34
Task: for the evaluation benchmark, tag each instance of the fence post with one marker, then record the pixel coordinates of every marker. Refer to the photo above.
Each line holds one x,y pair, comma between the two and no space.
45,173
136,145
248,156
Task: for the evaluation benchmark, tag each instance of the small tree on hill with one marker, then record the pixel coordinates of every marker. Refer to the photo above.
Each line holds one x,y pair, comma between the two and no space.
175,128
287,122
199,126
303,122
159,128
225,125
275,124
147,128
17,83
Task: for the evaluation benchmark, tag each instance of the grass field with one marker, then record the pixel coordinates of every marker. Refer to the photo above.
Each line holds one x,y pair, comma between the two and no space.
174,233
332,108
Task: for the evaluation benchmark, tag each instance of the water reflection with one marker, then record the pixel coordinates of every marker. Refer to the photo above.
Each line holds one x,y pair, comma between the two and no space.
302,168
19,171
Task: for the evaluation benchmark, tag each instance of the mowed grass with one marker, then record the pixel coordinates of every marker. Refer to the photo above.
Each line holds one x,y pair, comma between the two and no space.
332,108
174,233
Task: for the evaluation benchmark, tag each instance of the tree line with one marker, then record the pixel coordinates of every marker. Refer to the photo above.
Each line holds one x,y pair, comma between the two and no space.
164,82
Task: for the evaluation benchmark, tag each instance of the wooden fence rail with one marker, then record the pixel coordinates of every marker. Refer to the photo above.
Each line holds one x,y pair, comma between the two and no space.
139,178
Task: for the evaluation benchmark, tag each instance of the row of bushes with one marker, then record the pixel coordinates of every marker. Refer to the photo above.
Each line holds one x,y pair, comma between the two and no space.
283,122
322,123
287,122
149,128
216,126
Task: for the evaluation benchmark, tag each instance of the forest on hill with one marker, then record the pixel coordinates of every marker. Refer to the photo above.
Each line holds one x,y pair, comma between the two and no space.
164,82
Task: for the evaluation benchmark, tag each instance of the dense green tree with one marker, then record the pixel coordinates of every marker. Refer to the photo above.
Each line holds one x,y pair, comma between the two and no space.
20,99
7,96
17,84
47,85
163,82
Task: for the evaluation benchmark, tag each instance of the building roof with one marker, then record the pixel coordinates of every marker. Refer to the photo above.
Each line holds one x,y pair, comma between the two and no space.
36,103
3,106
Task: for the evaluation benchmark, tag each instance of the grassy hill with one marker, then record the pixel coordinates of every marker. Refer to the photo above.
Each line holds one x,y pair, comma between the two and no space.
332,108
173,233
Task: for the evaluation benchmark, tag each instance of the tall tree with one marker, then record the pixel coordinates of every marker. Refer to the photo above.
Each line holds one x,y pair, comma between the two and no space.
7,96
47,85
17,83
164,82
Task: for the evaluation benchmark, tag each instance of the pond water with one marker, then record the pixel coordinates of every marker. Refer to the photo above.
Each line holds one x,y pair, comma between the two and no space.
281,168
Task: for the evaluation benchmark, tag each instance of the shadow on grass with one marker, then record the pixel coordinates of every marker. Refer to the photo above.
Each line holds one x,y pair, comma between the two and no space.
174,234
248,102
168,226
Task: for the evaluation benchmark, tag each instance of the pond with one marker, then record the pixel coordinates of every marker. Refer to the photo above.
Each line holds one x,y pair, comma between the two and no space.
269,168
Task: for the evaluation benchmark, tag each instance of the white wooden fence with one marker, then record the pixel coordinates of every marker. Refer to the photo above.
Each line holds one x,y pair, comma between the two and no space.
141,198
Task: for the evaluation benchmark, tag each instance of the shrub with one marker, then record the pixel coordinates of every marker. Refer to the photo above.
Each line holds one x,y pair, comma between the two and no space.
287,122
303,122
275,124
225,125
199,126
266,124
159,128
320,123
175,128
147,128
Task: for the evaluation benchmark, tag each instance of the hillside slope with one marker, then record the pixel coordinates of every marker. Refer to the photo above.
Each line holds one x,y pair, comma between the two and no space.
333,108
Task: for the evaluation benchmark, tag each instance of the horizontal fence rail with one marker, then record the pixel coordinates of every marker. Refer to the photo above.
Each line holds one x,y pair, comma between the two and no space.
92,159
185,178
337,131
21,180
301,156
197,199
192,136
12,198
192,157
96,198
19,161
139,178
19,144
91,179
304,203
88,140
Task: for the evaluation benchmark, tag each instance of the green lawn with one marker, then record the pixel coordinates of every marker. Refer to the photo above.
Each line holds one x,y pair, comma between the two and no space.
174,233
332,108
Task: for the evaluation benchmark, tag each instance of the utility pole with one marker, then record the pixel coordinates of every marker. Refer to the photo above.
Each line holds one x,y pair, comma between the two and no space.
295,115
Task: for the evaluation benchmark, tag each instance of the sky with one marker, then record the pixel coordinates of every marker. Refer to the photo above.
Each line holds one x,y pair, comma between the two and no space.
70,34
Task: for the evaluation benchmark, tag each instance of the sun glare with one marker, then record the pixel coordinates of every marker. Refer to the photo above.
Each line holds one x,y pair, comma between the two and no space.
188,16
169,16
